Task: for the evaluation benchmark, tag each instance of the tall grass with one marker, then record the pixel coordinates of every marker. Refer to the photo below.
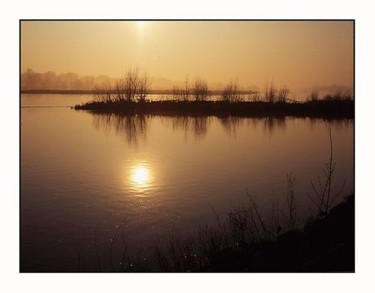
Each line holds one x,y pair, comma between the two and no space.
290,197
323,197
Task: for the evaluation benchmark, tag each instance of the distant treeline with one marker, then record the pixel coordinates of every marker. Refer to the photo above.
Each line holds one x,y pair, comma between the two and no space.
92,92
50,81
70,83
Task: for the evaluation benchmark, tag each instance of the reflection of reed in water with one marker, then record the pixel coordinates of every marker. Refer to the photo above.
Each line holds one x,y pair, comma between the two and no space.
270,124
337,123
230,124
196,125
132,127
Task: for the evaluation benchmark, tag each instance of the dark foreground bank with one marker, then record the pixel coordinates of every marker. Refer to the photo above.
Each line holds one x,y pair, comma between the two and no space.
242,243
324,245
328,109
245,242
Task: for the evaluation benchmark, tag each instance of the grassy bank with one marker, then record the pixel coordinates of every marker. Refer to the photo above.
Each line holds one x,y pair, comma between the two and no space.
323,245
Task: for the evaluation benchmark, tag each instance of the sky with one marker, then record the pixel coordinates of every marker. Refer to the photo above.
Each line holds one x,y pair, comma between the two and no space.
296,54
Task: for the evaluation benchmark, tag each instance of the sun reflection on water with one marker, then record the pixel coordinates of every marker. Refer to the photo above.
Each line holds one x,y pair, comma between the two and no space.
140,176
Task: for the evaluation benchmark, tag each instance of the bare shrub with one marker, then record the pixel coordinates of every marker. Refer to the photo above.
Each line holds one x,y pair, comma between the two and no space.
177,93
348,95
230,93
282,94
200,89
338,95
246,223
314,95
132,87
103,93
323,197
290,198
275,217
129,85
143,88
118,92
186,92
270,93
181,94
255,97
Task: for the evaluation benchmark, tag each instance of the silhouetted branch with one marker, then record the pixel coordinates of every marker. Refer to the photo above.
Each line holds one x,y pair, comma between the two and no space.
200,89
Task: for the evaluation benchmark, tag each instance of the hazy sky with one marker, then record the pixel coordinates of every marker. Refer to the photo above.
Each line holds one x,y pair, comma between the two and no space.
296,54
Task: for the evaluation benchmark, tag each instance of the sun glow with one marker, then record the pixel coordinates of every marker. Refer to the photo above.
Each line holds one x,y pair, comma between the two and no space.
141,176
141,28
141,24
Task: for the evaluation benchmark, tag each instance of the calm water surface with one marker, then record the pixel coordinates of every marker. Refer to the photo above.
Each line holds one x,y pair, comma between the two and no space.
83,174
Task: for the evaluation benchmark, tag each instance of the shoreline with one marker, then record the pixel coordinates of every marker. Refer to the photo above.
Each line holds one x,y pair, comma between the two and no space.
331,109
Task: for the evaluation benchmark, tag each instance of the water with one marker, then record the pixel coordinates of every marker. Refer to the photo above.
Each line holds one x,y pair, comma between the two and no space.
84,174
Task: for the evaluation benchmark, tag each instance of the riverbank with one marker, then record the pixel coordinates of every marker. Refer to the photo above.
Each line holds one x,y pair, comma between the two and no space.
323,245
329,109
